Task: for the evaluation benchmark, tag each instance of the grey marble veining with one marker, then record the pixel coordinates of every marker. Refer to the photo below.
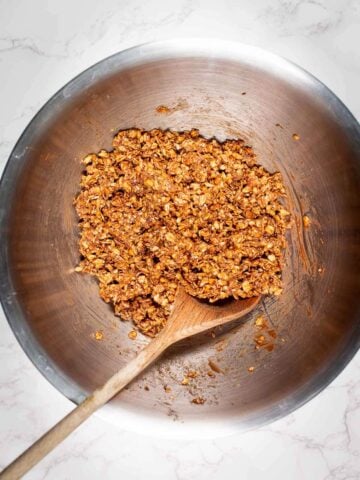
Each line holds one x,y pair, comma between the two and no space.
43,45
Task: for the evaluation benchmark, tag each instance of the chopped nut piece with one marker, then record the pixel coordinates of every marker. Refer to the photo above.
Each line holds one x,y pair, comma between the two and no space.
296,136
192,374
185,381
251,369
167,389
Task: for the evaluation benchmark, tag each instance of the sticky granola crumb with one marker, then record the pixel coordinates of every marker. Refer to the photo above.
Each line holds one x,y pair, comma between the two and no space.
306,221
260,321
99,335
296,137
185,381
251,369
167,389
132,334
198,400
260,340
162,109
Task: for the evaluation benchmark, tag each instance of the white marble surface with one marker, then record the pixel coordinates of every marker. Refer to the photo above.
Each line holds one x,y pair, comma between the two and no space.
42,45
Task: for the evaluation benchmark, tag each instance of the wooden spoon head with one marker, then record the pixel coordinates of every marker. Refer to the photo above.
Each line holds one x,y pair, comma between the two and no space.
191,316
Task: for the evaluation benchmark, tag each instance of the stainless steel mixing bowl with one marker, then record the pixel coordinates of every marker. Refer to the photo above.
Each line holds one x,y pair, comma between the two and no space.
225,90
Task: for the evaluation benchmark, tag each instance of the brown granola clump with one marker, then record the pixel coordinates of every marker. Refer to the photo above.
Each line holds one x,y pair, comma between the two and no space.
167,208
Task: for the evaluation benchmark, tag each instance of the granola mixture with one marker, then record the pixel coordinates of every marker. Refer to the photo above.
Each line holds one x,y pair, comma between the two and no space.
167,208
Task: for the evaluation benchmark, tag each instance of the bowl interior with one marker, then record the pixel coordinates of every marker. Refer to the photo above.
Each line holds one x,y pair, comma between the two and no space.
238,92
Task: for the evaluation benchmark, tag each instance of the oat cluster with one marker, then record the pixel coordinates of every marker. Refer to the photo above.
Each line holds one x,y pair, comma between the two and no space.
167,208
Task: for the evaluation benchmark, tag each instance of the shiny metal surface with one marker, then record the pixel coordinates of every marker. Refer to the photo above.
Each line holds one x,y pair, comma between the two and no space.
225,90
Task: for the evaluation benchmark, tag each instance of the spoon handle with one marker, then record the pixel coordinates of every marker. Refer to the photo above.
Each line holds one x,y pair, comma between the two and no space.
76,417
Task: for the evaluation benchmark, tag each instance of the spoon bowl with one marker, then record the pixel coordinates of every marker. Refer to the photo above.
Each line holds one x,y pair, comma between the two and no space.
190,316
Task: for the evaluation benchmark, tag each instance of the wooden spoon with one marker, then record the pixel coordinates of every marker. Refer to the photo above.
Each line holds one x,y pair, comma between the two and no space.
189,317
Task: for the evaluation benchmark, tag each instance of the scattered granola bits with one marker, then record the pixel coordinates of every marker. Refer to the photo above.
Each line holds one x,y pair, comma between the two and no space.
198,400
167,389
132,334
192,374
99,335
164,209
210,373
146,388
296,137
306,221
251,369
